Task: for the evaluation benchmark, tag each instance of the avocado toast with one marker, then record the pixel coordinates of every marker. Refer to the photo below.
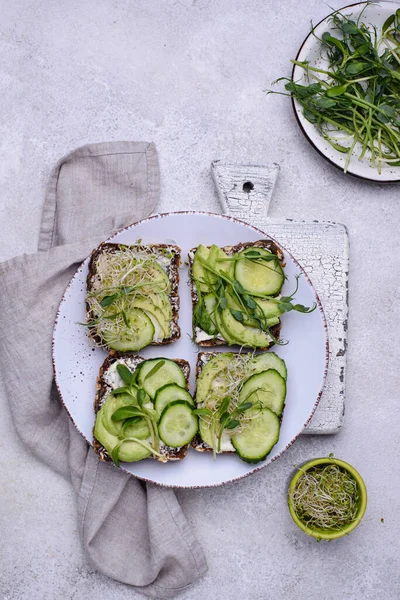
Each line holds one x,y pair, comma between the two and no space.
240,400
132,296
143,409
235,294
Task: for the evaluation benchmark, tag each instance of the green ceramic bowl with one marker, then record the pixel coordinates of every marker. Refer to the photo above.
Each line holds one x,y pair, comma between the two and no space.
330,534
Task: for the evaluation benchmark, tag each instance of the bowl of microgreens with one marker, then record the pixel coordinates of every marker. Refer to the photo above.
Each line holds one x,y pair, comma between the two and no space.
327,498
345,89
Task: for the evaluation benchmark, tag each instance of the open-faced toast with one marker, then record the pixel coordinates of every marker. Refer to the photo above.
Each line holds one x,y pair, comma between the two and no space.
235,294
132,296
120,378
240,399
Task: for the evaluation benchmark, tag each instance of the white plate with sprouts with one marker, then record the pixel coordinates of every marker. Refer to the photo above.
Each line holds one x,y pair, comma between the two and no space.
373,15
77,361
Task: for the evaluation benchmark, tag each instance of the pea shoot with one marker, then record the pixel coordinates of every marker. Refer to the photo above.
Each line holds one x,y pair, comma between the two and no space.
355,101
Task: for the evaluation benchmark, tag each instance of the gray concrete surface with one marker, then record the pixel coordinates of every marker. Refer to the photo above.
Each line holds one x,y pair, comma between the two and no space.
190,76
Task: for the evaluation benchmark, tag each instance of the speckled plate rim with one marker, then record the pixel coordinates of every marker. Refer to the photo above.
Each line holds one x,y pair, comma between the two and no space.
319,306
299,119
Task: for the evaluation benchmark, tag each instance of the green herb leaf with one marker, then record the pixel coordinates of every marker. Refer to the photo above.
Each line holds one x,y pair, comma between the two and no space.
323,102
155,369
349,27
238,287
121,390
252,253
202,318
111,317
141,397
310,116
224,405
304,309
248,301
125,374
243,407
107,300
337,90
125,412
233,423
224,417
128,423
301,91
354,68
223,303
204,412
125,318
238,315
114,455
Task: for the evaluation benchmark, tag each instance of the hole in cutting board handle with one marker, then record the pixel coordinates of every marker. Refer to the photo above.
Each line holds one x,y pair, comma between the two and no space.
248,186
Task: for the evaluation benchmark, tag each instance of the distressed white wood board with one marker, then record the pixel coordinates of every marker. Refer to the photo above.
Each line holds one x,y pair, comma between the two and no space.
244,189
322,249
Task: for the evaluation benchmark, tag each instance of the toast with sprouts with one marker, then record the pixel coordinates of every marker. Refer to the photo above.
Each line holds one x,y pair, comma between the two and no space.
132,296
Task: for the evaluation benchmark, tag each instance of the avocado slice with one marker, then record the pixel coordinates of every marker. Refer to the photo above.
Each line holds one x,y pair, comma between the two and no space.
215,260
213,369
111,404
129,451
199,272
244,335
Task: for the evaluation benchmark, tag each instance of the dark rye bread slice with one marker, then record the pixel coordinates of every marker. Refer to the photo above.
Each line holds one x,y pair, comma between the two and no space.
197,443
173,275
132,360
230,251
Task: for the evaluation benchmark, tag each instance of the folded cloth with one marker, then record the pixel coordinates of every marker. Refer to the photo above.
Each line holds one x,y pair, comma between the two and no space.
133,532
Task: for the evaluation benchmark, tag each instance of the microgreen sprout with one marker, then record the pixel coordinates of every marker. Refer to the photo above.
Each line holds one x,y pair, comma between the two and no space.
326,497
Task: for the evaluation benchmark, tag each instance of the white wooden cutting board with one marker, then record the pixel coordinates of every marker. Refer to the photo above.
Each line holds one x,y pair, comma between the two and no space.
322,249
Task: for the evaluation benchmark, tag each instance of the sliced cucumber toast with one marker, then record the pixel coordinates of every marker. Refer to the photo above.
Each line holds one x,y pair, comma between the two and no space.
132,296
240,400
143,409
236,294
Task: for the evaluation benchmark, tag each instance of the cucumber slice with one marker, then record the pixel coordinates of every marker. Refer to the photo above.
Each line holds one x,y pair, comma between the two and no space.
212,375
198,271
139,334
258,437
267,387
169,393
170,372
265,361
178,425
259,278
243,334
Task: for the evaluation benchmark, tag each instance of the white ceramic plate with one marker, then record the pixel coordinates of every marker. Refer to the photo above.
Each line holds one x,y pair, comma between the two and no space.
77,362
373,14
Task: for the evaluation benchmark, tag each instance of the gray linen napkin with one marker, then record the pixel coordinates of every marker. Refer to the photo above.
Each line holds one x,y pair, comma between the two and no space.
133,532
